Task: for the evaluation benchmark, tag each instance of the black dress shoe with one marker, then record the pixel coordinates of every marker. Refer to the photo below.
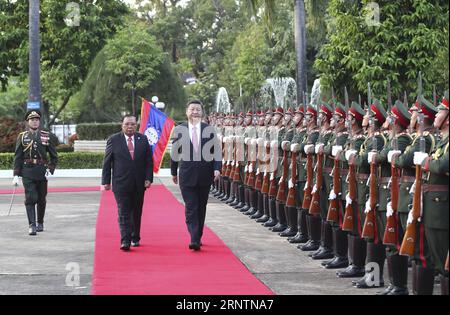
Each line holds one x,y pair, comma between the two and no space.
325,253
32,229
309,246
194,246
298,239
135,244
366,282
351,271
125,246
386,291
288,233
40,227
399,291
270,223
279,227
263,219
337,263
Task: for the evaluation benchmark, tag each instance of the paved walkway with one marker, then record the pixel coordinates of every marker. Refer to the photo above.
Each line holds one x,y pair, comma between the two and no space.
37,265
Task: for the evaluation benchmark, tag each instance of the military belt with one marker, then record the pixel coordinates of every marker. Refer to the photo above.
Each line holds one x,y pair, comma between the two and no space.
327,170
344,171
384,180
35,162
362,176
435,188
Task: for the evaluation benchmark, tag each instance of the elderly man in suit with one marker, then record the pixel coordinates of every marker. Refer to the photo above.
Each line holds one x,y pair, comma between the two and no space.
197,154
129,156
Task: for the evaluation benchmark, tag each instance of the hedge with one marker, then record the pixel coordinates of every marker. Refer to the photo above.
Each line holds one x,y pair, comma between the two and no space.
72,160
97,131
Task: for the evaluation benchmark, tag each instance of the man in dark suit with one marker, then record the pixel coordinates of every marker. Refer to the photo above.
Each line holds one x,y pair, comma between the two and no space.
129,155
197,153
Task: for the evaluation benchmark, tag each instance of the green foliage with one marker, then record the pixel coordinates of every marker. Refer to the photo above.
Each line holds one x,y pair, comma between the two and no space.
12,101
133,54
9,131
66,50
97,131
411,37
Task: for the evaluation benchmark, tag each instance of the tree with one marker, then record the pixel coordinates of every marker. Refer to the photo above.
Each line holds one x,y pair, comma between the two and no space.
134,54
67,50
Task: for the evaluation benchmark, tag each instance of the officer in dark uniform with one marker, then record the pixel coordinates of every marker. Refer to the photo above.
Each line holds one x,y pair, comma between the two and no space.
31,163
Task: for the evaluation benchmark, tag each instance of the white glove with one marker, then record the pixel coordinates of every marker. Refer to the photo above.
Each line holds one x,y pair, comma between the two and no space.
15,181
390,211
413,188
306,187
410,217
314,190
370,157
247,140
290,184
257,171
349,154
348,200
246,168
285,145
309,148
332,195
266,143
250,168
367,210
319,147
336,149
419,157
281,180
295,147
391,154
274,143
253,142
272,176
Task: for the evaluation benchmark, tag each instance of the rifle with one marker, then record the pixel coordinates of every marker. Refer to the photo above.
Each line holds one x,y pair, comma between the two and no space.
391,232
266,180
334,204
370,221
347,224
290,201
281,195
309,175
410,237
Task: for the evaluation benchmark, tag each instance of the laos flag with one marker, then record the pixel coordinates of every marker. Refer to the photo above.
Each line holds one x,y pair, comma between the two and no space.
158,128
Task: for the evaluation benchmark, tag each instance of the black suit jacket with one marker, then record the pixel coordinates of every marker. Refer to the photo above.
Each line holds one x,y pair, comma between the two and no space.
127,174
199,172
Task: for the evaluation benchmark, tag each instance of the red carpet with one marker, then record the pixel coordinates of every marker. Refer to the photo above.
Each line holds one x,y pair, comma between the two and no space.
163,264
53,190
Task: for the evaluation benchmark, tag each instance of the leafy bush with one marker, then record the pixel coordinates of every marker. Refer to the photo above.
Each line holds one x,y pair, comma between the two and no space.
72,160
97,131
9,131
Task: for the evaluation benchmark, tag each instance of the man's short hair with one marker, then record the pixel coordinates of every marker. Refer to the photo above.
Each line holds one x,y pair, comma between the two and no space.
128,115
194,102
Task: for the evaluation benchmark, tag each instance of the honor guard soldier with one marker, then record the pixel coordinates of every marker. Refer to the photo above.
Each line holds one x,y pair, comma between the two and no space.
397,265
356,178
376,204
435,217
336,209
326,135
31,163
424,142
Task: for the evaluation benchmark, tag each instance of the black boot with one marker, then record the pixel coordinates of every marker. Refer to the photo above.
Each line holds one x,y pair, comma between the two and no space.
241,203
246,200
291,216
232,197
252,200
376,253
325,251
301,236
226,190
423,280
31,214
314,234
273,214
357,256
341,248
260,206
265,216
444,285
281,217
398,268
